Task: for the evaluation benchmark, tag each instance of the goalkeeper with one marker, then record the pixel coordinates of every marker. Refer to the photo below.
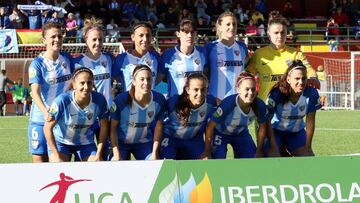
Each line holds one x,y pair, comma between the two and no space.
19,96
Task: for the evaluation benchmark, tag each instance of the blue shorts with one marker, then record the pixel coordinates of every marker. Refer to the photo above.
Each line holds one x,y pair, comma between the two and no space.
80,151
37,140
141,151
290,140
181,149
243,145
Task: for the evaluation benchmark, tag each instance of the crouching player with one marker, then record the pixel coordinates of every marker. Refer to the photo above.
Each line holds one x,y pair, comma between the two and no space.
132,114
188,114
289,102
75,112
229,124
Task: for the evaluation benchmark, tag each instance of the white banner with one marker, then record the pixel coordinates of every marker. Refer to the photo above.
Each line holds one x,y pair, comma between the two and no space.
8,41
75,182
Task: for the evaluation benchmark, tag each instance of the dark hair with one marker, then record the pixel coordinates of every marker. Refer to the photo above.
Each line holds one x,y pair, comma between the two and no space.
186,25
50,25
138,67
77,72
243,76
276,18
283,85
184,106
138,25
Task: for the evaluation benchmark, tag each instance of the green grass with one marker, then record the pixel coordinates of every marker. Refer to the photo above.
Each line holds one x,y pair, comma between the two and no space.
337,133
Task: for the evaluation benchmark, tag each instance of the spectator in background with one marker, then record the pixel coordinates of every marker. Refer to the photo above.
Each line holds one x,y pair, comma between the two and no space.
341,18
214,7
288,10
112,32
171,18
114,10
80,25
101,11
332,30
257,16
186,14
4,80
354,12
251,31
128,10
357,30
332,8
201,7
260,6
54,16
227,5
71,27
5,22
151,11
239,12
34,18
140,13
19,97
16,18
162,9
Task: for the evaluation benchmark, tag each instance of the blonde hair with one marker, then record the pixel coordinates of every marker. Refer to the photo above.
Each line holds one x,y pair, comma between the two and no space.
220,19
92,24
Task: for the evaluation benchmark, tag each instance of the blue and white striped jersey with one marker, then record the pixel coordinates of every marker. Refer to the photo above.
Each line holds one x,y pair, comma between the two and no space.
102,70
177,66
196,122
289,117
53,77
225,65
231,120
74,124
134,120
125,64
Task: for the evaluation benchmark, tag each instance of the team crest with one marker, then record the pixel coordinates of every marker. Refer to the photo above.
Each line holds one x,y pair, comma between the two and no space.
103,63
302,107
34,144
150,114
89,116
202,114
237,52
32,73
270,102
113,107
54,108
63,65
218,112
148,62
220,63
197,61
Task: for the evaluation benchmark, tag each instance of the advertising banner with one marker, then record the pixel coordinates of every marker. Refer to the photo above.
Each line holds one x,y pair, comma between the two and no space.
281,180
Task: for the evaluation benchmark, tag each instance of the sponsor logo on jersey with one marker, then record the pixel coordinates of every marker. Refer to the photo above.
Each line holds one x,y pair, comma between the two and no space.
103,76
54,108
53,81
233,63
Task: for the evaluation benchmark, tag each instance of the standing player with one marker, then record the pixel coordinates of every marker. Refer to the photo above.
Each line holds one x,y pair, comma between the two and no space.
49,76
182,60
132,113
99,63
229,124
75,112
226,57
270,62
289,102
141,35
188,114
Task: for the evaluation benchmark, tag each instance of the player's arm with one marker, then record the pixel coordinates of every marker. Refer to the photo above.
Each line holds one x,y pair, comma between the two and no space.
50,139
157,139
114,124
209,134
310,128
36,95
104,127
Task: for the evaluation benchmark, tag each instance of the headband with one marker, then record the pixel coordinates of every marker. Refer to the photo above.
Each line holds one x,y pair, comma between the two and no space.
80,70
140,69
295,68
244,78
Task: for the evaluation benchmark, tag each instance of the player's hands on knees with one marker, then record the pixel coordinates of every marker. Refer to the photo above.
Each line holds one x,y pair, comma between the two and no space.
308,151
313,82
273,152
259,153
205,155
55,158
